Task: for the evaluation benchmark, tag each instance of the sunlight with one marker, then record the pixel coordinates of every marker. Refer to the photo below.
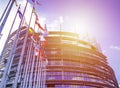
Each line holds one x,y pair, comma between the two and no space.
61,19
82,24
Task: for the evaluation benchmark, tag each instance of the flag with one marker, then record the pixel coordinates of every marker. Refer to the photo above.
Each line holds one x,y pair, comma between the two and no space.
41,55
36,2
45,43
46,60
22,17
33,11
33,39
31,31
37,22
46,31
44,56
36,51
20,14
42,39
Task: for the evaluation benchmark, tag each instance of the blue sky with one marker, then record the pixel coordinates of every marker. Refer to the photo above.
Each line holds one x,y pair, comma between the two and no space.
99,18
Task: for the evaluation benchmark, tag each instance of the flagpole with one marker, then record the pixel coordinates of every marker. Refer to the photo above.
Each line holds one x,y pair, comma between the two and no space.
7,14
11,55
44,67
31,71
22,53
39,81
5,11
36,69
27,66
25,70
40,67
9,33
33,60
40,70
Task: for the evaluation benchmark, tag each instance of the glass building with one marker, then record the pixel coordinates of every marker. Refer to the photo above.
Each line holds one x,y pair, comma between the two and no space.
72,63
75,63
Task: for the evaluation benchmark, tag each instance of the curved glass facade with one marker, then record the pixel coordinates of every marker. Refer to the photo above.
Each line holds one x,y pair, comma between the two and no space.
74,63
